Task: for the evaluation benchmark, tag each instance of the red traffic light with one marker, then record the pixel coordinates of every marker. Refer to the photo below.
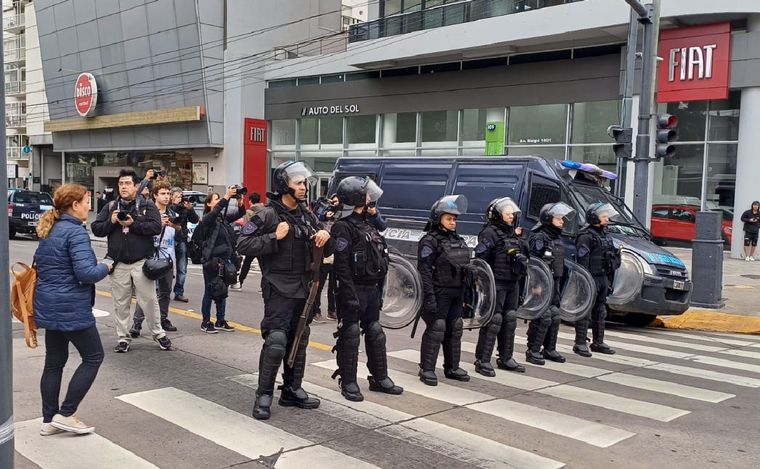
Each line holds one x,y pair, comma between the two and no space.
667,121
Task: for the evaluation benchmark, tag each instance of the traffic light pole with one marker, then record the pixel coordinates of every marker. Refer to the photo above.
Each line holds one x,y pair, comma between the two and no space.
649,16
627,111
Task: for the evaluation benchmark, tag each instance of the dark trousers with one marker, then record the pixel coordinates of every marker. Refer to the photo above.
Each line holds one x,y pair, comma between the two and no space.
369,307
280,311
87,343
245,268
326,277
221,306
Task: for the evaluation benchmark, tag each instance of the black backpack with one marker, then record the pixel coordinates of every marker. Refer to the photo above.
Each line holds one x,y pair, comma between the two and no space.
195,247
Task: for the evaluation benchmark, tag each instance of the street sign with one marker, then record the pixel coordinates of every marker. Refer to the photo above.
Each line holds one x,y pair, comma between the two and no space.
27,149
85,95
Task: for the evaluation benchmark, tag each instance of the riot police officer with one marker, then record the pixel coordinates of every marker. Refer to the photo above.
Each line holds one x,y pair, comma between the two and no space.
282,236
442,260
499,245
596,252
360,265
546,244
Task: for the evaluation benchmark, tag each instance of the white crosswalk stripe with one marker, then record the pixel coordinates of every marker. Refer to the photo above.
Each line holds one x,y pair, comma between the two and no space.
237,432
701,337
571,393
593,433
446,440
694,346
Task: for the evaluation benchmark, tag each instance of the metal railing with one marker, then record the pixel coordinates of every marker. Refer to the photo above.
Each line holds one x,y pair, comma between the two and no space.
14,153
13,22
15,87
14,49
444,15
325,45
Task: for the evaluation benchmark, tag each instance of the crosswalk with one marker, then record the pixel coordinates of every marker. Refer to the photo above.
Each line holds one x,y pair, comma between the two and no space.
656,380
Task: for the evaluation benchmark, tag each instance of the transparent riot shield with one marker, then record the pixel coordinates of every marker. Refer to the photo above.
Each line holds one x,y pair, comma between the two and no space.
402,293
537,290
479,295
578,292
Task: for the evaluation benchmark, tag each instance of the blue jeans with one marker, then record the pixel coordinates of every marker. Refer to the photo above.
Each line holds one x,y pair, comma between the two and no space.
180,249
206,303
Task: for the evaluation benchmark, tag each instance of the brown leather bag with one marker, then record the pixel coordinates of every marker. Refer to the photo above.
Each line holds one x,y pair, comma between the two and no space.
22,300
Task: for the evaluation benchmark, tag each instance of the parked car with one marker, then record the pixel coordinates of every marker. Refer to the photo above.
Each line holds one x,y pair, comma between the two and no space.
677,222
25,209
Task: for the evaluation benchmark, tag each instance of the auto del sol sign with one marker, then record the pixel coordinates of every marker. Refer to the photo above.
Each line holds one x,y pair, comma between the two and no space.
85,95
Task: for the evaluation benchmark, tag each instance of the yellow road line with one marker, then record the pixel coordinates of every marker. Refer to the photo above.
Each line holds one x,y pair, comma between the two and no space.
236,325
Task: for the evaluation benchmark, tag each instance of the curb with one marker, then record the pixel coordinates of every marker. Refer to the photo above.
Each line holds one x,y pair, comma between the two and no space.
711,321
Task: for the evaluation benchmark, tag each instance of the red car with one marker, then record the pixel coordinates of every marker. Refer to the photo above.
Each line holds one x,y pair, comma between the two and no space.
678,222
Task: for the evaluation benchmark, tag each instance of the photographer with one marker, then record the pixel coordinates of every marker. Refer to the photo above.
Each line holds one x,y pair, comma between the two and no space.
185,214
165,243
256,206
219,256
130,223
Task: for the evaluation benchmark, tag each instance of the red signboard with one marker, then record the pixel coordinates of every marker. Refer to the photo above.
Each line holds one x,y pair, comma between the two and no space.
85,95
695,63
255,156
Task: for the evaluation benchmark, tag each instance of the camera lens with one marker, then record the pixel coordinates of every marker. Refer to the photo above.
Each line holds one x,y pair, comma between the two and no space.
122,216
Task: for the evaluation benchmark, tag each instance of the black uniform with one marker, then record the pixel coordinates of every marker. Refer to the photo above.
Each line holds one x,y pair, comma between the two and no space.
596,252
360,265
442,260
285,267
508,257
546,244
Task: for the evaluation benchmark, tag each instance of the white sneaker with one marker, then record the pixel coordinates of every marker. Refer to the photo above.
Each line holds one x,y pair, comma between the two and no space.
746,259
71,424
751,259
48,429
236,287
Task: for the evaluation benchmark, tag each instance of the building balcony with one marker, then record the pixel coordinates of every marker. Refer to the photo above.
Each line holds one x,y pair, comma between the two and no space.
444,15
14,24
15,121
14,50
15,88
15,154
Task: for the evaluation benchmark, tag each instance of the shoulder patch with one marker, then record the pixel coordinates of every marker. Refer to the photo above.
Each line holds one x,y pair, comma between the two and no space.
583,251
481,247
538,244
249,228
341,244
426,251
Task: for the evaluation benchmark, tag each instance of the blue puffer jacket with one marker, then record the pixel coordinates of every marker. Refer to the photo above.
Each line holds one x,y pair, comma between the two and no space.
67,271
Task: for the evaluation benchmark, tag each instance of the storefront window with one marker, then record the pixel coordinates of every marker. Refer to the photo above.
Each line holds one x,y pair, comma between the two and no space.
320,162
590,121
283,132
721,175
538,125
691,120
600,155
439,126
680,177
331,131
361,129
399,128
474,122
309,132
556,153
724,119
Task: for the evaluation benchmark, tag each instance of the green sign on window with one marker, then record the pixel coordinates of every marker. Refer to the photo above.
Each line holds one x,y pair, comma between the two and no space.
494,138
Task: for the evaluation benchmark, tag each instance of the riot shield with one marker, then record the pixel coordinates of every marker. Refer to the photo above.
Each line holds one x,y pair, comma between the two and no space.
578,292
537,290
479,295
402,293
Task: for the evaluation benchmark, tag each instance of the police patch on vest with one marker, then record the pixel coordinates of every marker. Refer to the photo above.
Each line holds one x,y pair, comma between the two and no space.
583,251
426,251
341,244
249,229
538,245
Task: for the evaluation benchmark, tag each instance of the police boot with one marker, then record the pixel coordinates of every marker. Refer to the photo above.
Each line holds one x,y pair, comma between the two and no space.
347,355
598,345
431,343
452,351
292,394
550,342
484,349
377,361
581,330
536,332
507,344
269,362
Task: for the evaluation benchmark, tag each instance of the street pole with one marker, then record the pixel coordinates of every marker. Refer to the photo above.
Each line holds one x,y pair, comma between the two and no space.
651,22
6,341
627,108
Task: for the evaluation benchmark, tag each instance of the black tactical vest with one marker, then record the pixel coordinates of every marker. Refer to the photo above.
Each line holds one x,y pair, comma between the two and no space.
508,259
453,255
294,250
552,253
602,251
369,257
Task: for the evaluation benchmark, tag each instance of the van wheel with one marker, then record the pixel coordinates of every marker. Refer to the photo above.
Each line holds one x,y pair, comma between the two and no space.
638,319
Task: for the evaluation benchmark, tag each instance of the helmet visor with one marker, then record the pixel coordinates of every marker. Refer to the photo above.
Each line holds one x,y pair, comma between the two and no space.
372,190
562,210
608,210
453,204
299,172
506,205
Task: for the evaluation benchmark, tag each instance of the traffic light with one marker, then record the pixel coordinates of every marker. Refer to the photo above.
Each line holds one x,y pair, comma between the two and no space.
667,133
623,140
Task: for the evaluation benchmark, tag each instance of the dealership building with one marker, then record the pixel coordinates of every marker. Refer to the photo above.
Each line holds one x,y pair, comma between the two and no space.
536,77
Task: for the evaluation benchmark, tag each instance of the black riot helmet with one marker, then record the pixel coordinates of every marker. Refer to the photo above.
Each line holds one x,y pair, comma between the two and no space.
290,171
555,210
358,191
451,204
595,211
497,208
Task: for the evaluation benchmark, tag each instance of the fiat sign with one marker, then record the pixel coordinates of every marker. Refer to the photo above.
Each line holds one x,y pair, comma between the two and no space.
86,95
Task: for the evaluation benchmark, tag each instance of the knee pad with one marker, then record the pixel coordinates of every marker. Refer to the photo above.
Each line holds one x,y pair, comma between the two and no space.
456,328
436,330
374,331
348,334
495,324
276,341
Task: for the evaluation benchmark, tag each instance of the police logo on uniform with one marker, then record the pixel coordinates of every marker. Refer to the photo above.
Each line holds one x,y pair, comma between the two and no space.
582,251
341,244
426,251
249,228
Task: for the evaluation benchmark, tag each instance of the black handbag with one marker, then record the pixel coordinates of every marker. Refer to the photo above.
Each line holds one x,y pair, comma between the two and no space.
158,265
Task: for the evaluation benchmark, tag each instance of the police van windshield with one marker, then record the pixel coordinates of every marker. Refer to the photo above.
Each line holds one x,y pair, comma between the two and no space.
624,223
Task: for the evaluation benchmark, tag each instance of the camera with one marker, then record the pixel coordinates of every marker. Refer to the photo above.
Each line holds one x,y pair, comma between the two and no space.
126,209
157,173
241,190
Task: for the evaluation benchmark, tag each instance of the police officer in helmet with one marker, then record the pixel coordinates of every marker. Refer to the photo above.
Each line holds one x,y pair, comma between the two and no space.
500,245
546,244
282,235
360,265
596,252
443,260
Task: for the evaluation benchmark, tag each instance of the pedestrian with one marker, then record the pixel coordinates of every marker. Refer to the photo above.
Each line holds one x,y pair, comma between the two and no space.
360,265
326,276
67,273
98,202
185,214
130,222
442,260
256,206
218,241
751,219
500,245
164,242
281,237
597,253
546,244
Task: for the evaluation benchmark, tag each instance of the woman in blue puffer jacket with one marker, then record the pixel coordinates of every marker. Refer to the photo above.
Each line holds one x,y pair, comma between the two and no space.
67,271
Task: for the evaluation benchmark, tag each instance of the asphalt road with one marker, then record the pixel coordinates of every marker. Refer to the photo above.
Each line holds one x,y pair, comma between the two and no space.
667,399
